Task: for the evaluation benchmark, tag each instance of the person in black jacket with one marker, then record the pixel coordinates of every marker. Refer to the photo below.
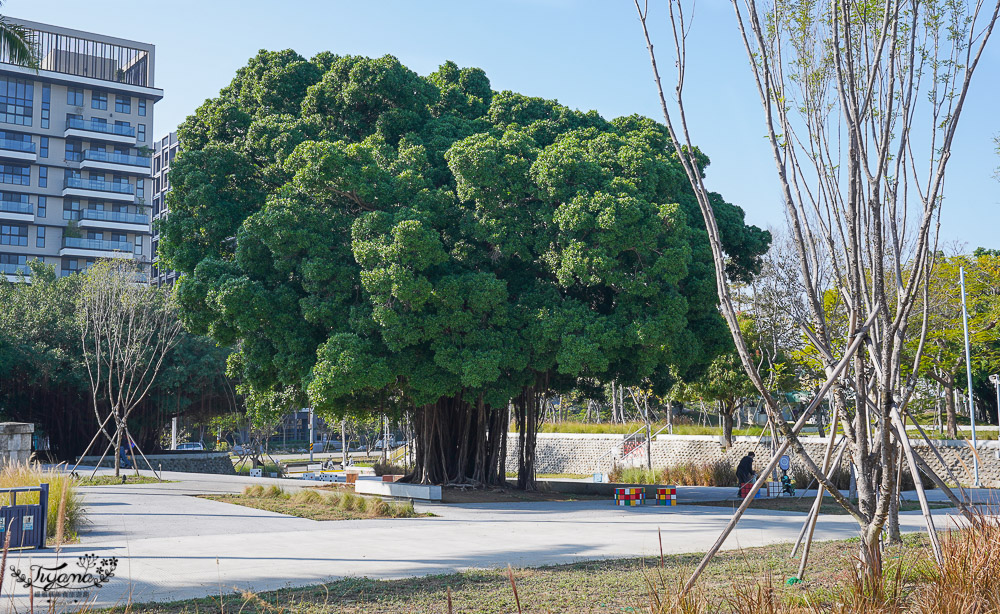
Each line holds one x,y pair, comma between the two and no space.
744,471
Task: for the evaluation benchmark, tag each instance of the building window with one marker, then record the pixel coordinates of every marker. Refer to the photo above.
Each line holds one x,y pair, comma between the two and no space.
74,151
46,106
13,259
69,267
138,246
142,107
99,100
122,127
74,97
40,237
141,136
71,210
43,204
11,234
43,149
123,104
16,174
16,99
43,176
140,188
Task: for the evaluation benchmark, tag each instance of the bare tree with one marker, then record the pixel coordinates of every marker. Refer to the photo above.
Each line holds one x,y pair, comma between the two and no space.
861,102
127,329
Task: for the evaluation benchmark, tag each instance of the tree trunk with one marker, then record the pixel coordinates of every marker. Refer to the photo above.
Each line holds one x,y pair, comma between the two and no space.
116,453
458,443
727,425
526,415
949,406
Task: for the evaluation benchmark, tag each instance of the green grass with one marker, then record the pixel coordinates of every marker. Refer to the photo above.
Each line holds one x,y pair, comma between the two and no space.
608,428
110,480
607,586
336,505
556,476
795,504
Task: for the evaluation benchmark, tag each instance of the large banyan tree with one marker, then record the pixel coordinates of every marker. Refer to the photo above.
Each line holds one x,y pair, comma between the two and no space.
374,240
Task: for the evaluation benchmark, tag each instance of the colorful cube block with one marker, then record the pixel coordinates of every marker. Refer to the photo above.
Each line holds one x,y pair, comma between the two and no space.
630,496
666,495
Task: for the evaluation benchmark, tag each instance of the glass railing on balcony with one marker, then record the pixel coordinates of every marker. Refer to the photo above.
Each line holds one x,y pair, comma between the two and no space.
116,158
16,206
17,145
14,269
98,244
100,186
102,127
114,216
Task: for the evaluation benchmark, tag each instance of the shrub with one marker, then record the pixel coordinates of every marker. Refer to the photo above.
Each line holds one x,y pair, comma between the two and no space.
19,475
391,469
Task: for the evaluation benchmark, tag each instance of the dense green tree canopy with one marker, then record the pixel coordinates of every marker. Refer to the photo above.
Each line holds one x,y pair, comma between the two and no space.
43,376
372,238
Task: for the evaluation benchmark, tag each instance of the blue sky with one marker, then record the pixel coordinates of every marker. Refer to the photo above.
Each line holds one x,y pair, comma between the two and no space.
588,54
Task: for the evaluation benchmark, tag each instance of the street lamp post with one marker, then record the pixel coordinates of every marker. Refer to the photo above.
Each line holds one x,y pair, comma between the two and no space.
968,374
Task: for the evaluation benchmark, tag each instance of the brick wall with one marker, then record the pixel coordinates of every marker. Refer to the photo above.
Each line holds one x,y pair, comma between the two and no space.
585,453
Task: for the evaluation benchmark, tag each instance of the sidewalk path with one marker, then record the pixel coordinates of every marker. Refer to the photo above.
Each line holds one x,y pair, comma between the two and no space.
172,545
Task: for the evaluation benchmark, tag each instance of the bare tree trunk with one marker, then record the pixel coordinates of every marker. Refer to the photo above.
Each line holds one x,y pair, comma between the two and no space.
950,412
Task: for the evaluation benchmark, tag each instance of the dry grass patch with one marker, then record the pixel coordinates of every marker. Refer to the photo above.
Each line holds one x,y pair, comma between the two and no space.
316,505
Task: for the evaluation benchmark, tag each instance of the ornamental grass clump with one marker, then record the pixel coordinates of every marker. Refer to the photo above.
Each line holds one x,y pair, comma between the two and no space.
307,497
715,473
22,474
969,578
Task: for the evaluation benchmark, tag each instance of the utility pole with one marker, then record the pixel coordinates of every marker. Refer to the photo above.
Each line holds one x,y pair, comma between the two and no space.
968,374
173,433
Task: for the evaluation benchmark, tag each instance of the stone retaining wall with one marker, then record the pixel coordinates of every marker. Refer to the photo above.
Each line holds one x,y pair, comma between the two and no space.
188,462
15,442
585,453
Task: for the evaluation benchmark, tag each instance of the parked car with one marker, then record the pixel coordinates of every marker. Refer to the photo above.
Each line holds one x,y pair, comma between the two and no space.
191,445
381,443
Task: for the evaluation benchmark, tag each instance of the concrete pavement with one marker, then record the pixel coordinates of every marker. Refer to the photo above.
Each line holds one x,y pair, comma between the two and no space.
171,545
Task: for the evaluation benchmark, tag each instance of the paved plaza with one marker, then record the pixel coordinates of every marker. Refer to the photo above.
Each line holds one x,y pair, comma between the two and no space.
172,545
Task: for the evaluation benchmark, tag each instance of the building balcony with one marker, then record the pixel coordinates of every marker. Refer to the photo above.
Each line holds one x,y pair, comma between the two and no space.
99,131
16,211
115,162
94,218
13,149
99,190
12,271
96,248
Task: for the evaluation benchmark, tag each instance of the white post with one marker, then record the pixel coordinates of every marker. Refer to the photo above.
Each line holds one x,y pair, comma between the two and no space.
343,443
173,433
968,374
312,432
